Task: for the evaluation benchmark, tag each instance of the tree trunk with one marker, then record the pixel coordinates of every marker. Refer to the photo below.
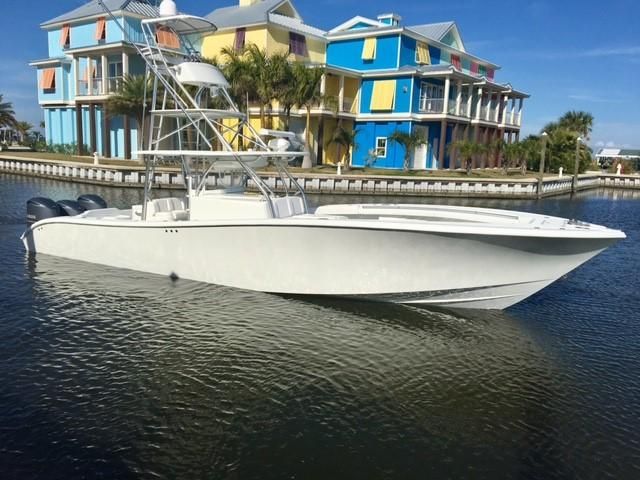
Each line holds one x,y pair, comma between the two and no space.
306,162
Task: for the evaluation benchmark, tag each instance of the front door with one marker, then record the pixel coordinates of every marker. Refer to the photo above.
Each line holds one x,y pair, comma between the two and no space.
420,153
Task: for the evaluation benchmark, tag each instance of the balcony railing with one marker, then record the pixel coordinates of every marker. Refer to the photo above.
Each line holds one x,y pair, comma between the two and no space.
431,105
113,84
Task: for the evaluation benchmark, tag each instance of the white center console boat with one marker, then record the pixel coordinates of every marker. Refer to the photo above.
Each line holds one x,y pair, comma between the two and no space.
219,233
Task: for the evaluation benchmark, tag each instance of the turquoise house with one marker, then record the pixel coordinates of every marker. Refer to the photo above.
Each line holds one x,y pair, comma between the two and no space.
88,58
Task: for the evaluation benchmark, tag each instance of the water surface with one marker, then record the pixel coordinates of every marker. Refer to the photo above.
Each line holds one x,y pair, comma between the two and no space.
107,373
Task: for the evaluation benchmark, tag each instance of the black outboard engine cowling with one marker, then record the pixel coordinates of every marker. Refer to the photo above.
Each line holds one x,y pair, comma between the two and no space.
70,207
92,202
39,208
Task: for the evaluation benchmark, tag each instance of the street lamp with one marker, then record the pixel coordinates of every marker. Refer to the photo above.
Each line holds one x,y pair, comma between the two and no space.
574,187
545,137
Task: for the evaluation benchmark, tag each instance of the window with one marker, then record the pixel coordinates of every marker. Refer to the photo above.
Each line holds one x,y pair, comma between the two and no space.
165,37
297,44
381,147
369,49
65,39
482,71
455,61
238,42
422,54
48,80
101,29
383,95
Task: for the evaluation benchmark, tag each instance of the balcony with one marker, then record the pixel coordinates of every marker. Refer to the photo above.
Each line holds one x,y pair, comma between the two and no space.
113,84
333,103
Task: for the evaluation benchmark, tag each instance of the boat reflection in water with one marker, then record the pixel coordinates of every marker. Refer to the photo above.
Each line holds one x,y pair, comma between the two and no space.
181,373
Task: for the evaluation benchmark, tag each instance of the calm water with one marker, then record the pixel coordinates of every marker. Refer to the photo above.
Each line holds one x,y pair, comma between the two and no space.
107,373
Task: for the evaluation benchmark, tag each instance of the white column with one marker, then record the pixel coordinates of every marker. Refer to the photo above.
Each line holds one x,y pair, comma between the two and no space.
447,88
323,87
520,112
341,94
479,103
469,101
125,64
105,72
496,115
504,109
76,73
458,97
489,106
513,111
89,76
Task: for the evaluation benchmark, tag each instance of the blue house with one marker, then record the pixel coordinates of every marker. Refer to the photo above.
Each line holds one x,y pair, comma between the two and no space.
89,55
420,78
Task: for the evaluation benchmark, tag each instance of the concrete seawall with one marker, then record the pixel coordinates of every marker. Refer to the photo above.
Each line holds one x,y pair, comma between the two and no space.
126,176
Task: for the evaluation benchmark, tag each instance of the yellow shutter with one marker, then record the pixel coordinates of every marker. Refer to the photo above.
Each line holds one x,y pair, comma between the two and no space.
369,49
422,54
383,95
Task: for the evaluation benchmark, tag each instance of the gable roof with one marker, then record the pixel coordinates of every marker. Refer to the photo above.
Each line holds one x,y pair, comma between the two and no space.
438,32
352,22
240,16
93,8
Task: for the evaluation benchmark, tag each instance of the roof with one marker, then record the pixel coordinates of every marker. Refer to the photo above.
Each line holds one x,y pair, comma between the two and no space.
434,31
295,25
618,152
237,16
93,8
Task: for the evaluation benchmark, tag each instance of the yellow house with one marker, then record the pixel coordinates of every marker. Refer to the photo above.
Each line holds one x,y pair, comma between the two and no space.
277,27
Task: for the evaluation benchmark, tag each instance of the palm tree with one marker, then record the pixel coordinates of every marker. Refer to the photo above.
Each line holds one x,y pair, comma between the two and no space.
410,141
307,94
344,138
577,121
7,115
129,101
467,150
236,69
494,150
512,153
23,129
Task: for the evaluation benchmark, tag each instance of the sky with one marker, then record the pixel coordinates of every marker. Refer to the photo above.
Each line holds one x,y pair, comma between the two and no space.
567,54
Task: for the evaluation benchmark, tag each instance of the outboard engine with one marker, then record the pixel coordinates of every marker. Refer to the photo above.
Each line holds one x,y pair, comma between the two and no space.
70,208
92,202
39,208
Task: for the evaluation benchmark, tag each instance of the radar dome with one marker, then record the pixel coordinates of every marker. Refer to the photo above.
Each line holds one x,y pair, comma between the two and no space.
168,8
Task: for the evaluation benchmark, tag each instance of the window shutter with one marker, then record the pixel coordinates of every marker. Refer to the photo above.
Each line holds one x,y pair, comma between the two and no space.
423,56
369,48
474,68
167,38
383,95
48,80
65,38
238,43
101,29
455,61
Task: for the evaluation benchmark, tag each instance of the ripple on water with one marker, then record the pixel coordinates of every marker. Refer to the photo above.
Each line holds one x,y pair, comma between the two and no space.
121,374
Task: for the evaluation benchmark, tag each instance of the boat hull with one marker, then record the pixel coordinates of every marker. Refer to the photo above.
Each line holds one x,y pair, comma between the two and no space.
311,258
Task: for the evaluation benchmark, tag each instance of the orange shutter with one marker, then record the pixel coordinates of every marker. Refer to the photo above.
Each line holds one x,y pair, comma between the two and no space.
48,80
66,31
167,38
101,28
